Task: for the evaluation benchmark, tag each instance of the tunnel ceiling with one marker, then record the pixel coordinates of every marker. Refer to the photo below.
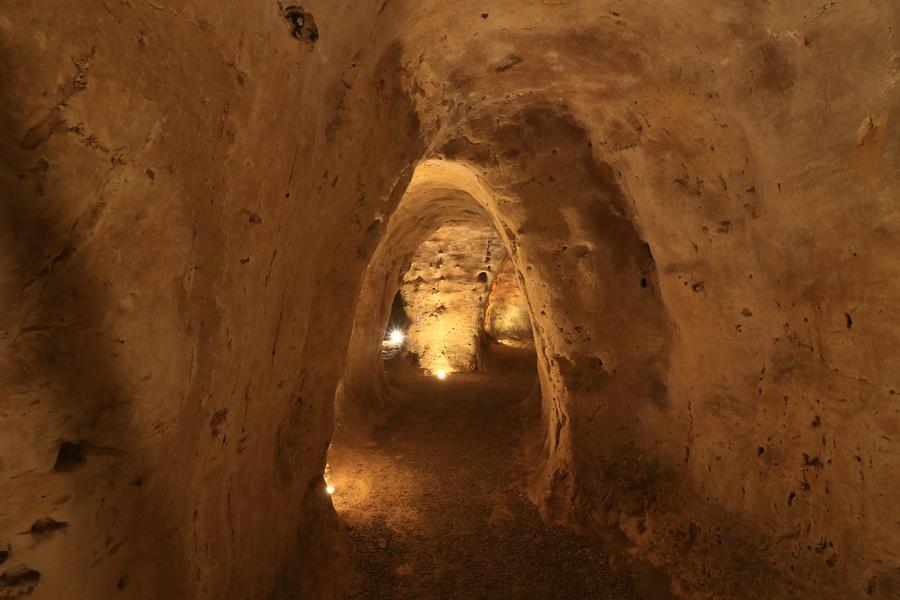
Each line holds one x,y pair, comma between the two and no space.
699,201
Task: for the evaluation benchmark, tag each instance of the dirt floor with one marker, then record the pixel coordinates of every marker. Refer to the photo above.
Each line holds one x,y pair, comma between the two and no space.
434,501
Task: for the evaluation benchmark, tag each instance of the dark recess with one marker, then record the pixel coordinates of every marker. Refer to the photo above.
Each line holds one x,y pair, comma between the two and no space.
303,24
398,319
70,456
18,576
46,526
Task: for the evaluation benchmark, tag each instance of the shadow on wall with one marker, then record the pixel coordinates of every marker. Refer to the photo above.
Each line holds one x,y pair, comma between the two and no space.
507,318
68,434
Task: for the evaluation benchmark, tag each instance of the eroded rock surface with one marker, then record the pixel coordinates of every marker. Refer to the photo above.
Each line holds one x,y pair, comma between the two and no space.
445,291
506,317
208,209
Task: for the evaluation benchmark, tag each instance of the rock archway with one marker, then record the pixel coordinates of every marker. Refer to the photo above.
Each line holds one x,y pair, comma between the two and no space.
612,340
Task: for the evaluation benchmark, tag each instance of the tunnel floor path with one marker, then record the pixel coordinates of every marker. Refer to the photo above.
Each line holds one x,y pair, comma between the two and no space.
434,501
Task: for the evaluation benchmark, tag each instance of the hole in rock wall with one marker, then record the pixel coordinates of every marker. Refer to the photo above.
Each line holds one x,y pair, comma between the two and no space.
302,24
70,456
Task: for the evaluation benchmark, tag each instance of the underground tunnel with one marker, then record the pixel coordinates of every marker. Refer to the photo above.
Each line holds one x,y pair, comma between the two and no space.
405,298
431,482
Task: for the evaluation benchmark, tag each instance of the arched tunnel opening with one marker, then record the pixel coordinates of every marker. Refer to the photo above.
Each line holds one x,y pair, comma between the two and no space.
449,417
431,490
557,298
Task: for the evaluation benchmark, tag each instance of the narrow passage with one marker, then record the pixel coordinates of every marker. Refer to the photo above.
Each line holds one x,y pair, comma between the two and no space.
434,502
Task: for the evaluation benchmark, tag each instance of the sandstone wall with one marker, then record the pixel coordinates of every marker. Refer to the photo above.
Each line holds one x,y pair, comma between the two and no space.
445,291
184,228
506,316
699,199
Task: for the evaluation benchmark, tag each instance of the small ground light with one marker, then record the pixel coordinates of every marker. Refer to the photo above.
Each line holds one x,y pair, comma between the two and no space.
396,336
329,489
441,374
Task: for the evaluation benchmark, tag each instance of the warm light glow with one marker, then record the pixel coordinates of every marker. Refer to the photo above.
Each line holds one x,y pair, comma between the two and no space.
441,374
396,336
329,489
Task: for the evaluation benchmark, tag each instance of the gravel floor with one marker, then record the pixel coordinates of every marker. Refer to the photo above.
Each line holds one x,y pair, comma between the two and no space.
435,507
